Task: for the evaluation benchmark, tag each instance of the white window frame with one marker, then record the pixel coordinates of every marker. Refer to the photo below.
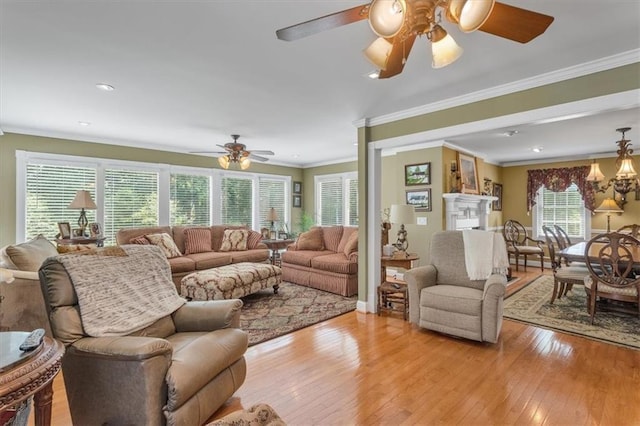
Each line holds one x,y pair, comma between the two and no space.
344,177
164,179
536,220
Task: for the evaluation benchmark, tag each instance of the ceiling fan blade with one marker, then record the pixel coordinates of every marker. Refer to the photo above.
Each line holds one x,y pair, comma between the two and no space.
262,152
257,157
516,24
324,23
399,52
208,152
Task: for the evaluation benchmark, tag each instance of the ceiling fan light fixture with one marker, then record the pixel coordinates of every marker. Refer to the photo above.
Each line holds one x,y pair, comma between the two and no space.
444,49
378,53
224,161
245,163
387,16
469,14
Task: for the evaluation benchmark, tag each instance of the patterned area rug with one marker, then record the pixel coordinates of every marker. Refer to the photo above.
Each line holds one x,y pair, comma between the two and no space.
266,315
569,314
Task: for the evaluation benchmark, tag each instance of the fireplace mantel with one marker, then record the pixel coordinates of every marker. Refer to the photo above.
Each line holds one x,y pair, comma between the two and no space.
467,211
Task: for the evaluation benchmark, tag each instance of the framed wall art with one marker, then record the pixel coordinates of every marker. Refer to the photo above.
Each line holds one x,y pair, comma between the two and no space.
95,230
297,201
417,174
297,187
420,199
65,230
468,174
497,192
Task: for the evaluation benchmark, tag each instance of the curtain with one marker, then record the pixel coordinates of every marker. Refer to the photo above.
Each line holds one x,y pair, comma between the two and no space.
558,180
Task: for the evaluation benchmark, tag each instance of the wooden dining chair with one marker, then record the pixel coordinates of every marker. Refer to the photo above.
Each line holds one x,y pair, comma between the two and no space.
520,244
612,276
563,277
633,230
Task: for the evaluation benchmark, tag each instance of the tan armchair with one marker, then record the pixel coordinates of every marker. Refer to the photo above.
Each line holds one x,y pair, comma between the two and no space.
520,244
443,298
179,370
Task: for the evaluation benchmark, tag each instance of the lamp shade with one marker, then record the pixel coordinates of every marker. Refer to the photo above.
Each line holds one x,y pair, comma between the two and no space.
224,161
245,163
445,51
608,206
386,17
378,53
83,200
470,14
595,175
402,214
626,170
272,216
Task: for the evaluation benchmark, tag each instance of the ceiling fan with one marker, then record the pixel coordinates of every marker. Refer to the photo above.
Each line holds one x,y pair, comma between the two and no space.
236,152
397,23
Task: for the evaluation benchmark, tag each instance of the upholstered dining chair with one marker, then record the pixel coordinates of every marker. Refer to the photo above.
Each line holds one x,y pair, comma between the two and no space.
611,275
520,244
563,277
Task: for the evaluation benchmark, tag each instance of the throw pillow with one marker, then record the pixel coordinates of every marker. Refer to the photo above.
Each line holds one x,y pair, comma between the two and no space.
310,240
197,240
141,240
166,243
234,240
351,244
253,239
28,256
74,248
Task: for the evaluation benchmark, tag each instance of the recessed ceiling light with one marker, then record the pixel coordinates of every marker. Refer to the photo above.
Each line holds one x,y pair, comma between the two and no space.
510,133
106,87
295,156
84,123
373,74
537,149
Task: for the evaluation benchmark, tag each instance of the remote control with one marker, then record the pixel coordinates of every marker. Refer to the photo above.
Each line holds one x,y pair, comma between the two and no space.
33,340
396,285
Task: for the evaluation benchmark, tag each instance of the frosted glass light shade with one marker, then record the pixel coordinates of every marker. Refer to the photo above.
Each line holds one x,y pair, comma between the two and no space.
445,52
378,53
386,17
224,161
245,163
595,175
470,14
626,170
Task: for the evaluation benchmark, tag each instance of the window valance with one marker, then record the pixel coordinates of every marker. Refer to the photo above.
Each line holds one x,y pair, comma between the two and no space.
558,180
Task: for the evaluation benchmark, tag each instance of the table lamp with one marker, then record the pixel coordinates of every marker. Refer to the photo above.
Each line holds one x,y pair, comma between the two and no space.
401,214
608,206
83,201
272,216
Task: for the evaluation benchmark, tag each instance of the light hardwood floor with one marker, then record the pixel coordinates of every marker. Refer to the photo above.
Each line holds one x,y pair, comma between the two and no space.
369,370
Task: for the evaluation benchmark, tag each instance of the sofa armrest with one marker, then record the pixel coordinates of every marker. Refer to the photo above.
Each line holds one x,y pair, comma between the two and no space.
495,286
124,348
208,315
17,274
417,279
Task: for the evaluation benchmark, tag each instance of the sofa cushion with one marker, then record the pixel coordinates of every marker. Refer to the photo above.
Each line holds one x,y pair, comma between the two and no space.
310,240
255,255
351,244
124,235
336,262
197,240
234,240
141,240
302,257
346,234
165,242
28,256
217,235
182,264
210,259
253,239
331,237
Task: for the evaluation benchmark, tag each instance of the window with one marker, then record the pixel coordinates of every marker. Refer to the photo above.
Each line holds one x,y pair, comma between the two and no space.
50,189
565,209
131,194
337,199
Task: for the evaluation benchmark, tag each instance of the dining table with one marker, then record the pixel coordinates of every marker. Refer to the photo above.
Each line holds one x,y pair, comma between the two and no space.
576,253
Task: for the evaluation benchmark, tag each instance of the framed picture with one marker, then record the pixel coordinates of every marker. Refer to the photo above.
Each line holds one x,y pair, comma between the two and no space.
297,187
265,233
297,201
282,235
95,230
468,174
420,199
497,192
65,230
417,174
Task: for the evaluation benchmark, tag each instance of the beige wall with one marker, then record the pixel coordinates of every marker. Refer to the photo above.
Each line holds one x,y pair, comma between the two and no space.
9,143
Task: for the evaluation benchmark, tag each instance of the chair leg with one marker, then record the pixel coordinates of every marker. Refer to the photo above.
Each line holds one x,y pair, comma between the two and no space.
555,290
516,257
592,305
568,288
542,262
525,262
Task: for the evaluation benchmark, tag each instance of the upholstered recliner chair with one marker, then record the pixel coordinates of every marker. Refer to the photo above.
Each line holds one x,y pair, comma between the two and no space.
178,371
443,298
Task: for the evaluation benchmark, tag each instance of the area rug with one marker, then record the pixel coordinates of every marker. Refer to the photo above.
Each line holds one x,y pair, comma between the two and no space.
266,315
569,314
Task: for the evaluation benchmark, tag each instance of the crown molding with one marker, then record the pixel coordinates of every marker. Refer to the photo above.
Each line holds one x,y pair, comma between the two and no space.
575,71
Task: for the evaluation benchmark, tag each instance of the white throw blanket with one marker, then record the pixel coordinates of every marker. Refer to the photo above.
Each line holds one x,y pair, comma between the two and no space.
121,290
484,253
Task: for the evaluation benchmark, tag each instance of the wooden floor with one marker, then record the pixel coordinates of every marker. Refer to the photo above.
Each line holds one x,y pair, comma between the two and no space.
369,370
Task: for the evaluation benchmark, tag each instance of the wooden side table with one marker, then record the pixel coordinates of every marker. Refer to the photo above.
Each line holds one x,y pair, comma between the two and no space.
275,246
394,296
98,241
23,374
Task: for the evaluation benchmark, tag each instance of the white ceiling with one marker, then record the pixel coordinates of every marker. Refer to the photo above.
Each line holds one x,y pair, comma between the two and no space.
190,73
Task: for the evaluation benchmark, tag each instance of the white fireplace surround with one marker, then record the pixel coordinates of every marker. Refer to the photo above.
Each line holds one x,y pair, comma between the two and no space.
467,211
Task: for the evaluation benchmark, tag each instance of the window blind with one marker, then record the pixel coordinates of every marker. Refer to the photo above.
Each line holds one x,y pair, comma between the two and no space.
352,201
236,201
565,209
190,199
331,201
272,194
